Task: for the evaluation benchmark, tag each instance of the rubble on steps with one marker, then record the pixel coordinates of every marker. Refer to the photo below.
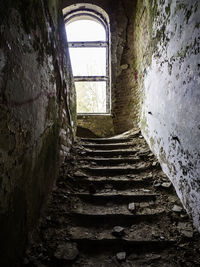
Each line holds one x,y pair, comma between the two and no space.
113,206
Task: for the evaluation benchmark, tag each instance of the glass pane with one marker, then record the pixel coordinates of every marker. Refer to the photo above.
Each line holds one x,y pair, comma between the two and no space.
88,61
85,30
91,97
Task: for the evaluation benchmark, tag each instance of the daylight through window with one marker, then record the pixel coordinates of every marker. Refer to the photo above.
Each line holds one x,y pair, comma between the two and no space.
89,52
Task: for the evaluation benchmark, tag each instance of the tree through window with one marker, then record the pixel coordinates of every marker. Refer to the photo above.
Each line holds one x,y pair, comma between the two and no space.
88,45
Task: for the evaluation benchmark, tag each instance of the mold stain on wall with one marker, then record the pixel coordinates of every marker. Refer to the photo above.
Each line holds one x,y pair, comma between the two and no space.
37,102
167,38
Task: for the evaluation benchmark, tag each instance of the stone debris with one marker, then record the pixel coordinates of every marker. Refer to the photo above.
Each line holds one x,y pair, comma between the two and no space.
146,190
132,207
185,229
67,251
118,231
101,219
121,256
157,184
154,163
166,185
144,205
177,208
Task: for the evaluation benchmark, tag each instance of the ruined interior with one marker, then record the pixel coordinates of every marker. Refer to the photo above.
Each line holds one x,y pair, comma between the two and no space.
131,174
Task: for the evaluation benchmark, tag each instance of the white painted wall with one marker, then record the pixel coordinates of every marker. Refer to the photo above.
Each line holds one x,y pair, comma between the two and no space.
171,110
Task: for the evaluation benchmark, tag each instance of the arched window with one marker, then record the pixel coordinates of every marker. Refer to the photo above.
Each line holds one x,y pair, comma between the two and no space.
88,41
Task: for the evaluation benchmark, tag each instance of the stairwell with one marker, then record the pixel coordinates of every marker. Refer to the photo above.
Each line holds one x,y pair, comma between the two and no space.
114,207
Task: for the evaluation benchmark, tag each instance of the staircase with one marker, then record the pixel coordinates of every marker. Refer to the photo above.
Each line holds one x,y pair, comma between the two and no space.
117,208
122,209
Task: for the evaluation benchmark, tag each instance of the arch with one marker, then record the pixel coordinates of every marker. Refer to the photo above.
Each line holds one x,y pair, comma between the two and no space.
99,81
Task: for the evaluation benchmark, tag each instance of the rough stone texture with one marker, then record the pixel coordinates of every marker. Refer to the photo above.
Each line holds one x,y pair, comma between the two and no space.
36,118
100,125
167,45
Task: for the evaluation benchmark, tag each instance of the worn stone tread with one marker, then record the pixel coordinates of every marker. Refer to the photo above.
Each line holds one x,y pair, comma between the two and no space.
90,209
106,140
117,183
109,146
120,244
110,161
91,219
137,234
109,153
117,196
123,170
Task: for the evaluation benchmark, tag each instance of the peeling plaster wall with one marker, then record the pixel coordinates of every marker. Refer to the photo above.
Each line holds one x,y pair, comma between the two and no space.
37,117
167,48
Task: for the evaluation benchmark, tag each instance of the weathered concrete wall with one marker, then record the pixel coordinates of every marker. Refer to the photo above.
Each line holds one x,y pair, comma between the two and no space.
124,110
37,115
167,49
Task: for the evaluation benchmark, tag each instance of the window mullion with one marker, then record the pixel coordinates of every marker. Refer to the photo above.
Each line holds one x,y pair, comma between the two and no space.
90,78
87,44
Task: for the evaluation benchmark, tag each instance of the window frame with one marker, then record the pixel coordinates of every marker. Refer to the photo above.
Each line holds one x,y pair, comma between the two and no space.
92,15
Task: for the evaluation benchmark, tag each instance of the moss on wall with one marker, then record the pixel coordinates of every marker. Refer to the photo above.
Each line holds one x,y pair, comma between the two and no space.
166,57
37,102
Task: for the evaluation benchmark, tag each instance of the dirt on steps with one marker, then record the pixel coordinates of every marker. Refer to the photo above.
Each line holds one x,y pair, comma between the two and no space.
113,206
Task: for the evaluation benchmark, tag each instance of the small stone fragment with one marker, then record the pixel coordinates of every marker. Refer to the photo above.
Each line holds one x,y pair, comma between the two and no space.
186,229
154,163
79,174
177,208
166,184
124,66
118,231
146,190
157,185
67,251
131,207
144,205
121,256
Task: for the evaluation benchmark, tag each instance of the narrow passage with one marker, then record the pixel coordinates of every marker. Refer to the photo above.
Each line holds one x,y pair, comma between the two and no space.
114,207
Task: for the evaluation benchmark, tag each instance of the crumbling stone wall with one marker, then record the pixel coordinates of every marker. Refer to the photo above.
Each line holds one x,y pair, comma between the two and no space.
37,117
99,125
167,54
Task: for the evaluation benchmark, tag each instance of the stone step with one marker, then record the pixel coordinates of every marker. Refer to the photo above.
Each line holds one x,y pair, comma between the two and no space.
114,245
119,183
92,219
109,146
110,153
105,140
116,139
116,196
112,171
111,161
137,235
